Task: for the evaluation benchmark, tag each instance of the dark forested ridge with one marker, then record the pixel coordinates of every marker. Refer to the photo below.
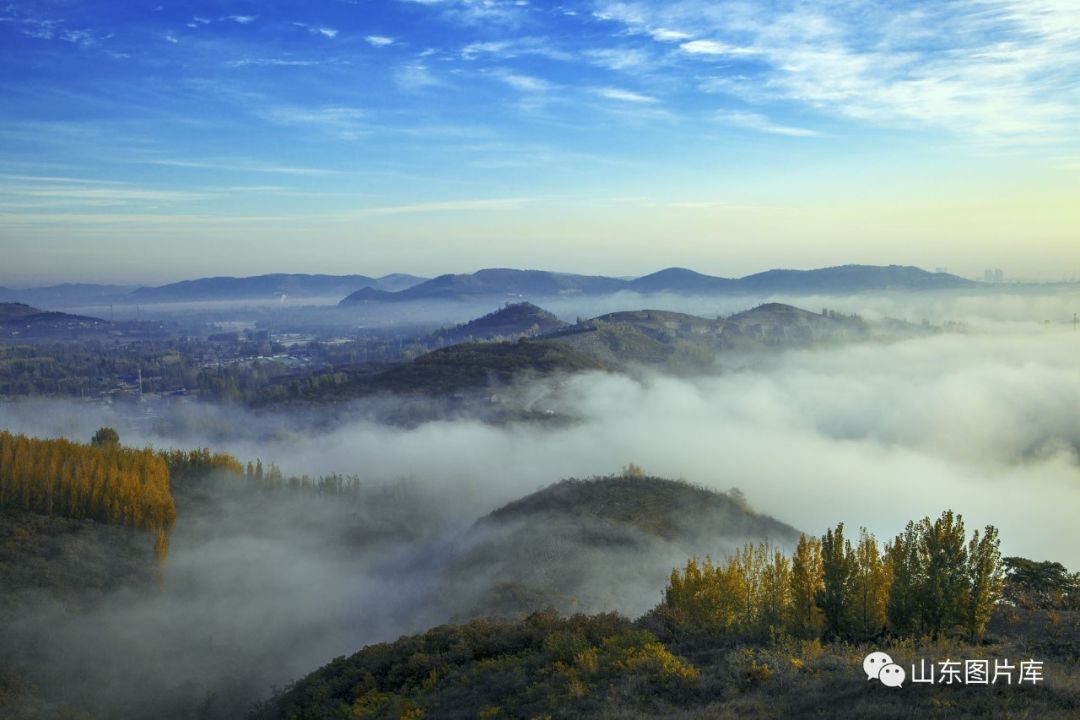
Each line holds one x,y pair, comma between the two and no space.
23,322
510,322
544,345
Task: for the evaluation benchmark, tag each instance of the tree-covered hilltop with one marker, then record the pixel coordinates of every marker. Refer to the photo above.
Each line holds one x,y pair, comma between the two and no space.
759,635
510,322
597,544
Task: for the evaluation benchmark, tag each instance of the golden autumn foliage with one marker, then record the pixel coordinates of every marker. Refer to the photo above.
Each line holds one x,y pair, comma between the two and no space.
924,582
102,482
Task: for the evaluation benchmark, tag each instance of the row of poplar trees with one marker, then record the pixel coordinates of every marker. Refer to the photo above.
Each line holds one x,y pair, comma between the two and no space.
931,579
99,481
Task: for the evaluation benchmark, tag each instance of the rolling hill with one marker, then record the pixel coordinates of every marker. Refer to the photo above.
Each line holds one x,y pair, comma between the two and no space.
512,321
496,282
258,287
597,545
675,342
537,284
22,322
679,341
267,287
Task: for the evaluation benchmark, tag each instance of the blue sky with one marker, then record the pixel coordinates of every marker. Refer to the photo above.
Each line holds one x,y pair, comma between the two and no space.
146,142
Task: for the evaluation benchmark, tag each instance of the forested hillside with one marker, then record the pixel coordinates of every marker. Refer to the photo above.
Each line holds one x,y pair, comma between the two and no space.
100,481
760,634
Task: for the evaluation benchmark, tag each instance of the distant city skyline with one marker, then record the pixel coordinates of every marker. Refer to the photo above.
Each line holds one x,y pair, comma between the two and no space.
151,144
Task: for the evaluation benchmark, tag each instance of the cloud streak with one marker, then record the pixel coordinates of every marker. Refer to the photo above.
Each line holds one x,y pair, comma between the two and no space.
993,70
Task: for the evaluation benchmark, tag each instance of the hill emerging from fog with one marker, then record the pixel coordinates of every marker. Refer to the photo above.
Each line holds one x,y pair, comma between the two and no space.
452,370
540,284
658,339
598,545
23,322
680,342
512,321
656,506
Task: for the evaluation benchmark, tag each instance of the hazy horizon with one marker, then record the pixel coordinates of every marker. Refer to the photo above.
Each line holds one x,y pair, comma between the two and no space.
151,280
199,139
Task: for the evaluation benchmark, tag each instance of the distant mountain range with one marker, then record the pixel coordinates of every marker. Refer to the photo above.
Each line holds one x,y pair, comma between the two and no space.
258,287
538,284
490,283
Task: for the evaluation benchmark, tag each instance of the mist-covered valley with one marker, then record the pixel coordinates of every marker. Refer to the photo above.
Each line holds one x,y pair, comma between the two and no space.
456,513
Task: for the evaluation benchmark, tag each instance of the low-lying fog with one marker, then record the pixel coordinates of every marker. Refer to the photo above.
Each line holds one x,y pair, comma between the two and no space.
985,423
978,307
869,434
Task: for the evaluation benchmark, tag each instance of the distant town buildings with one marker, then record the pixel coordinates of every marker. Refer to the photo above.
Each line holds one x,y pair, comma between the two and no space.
993,275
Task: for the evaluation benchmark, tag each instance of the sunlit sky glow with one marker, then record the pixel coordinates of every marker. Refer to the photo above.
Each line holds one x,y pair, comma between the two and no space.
146,143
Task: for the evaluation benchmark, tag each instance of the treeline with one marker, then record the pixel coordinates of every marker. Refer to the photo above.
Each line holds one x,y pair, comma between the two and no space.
931,579
98,481
194,465
107,483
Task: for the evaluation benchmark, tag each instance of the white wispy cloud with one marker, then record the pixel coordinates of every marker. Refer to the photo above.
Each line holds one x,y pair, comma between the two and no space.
326,32
619,58
277,62
712,47
35,26
761,123
415,76
241,19
524,83
989,69
344,123
517,47
479,12
240,165
73,193
379,40
668,35
624,95
447,206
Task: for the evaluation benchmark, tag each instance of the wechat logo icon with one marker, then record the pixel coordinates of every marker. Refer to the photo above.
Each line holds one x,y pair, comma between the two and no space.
879,666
